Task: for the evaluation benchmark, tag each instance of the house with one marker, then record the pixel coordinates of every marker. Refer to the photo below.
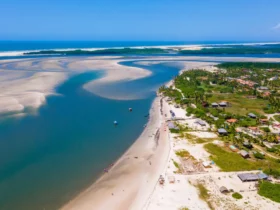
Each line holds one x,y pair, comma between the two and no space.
266,94
215,105
254,130
247,144
223,104
233,148
231,120
264,121
251,115
222,131
244,154
262,88
250,177
273,78
205,104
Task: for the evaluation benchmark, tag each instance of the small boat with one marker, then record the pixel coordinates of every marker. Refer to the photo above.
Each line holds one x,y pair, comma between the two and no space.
130,109
145,125
116,122
147,115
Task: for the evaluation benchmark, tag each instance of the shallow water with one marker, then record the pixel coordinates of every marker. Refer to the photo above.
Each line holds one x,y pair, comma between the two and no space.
48,158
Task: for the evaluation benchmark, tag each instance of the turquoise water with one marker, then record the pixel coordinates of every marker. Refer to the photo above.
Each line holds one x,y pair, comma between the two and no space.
47,159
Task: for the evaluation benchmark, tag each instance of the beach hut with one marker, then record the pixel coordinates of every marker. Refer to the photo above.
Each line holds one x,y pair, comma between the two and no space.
215,105
222,131
248,177
223,104
251,115
224,190
247,145
244,154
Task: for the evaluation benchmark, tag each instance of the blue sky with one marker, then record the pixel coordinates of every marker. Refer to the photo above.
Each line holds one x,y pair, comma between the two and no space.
163,20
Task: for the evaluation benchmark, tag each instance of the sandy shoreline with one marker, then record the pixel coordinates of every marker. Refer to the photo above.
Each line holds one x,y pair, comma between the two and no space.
133,177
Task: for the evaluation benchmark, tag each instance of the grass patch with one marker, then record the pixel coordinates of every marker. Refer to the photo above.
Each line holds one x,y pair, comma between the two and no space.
182,153
239,103
277,117
204,195
230,161
270,191
183,208
196,140
237,195
177,165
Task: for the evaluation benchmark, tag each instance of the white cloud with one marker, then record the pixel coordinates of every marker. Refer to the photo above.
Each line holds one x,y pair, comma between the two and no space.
277,27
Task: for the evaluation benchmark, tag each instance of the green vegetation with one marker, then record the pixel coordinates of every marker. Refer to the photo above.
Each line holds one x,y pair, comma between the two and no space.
183,208
204,195
100,52
258,155
270,191
239,104
273,172
250,65
233,50
183,153
277,117
230,161
237,195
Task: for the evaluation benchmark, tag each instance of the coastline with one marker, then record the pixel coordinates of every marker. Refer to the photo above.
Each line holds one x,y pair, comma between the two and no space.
130,181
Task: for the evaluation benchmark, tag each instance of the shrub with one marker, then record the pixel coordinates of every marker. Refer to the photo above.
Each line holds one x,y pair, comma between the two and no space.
258,155
270,191
237,195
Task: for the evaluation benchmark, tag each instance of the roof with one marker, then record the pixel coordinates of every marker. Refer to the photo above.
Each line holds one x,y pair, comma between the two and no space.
215,104
223,189
262,176
232,120
248,177
244,153
200,122
264,120
223,104
222,130
252,115
263,88
253,128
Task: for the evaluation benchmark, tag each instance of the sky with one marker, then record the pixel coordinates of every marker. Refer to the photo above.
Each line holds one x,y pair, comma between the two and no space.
161,20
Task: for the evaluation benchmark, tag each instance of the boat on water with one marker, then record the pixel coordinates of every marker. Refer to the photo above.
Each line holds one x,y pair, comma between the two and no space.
116,122
130,109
